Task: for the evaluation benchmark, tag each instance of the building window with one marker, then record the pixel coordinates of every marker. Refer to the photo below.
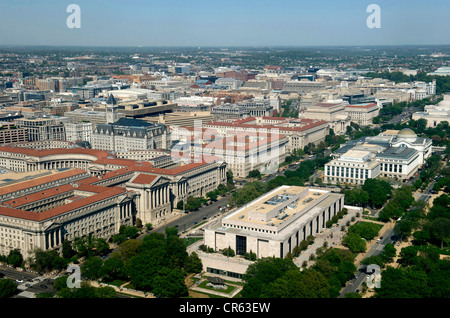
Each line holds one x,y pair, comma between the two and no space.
241,245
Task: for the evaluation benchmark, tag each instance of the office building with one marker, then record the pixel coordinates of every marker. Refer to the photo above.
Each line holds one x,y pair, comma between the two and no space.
130,134
269,226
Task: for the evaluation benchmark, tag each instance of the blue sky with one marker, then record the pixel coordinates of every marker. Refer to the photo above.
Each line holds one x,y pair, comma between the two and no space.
224,23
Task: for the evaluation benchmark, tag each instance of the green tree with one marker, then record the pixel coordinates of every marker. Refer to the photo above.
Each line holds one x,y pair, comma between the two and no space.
127,249
60,282
408,255
403,283
130,232
230,181
15,258
101,246
169,283
295,284
91,268
113,268
143,268
263,272
354,242
254,174
176,251
67,250
171,231
366,230
47,260
7,288
440,230
212,195
193,264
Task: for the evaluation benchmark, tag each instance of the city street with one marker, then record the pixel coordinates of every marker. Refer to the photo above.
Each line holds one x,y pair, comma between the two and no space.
28,284
188,220
361,275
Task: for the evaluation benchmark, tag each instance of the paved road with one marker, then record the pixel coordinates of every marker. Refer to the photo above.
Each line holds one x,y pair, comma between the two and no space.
361,276
404,116
15,274
188,220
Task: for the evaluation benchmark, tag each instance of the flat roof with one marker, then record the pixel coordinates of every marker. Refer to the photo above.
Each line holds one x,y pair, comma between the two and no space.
278,208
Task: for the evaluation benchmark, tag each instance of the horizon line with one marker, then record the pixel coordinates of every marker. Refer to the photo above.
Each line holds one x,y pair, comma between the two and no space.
219,46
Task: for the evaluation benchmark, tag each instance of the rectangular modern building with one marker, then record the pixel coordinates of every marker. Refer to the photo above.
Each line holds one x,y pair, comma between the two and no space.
272,225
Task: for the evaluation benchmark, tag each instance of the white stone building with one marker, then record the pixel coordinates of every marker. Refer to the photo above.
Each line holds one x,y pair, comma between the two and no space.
270,226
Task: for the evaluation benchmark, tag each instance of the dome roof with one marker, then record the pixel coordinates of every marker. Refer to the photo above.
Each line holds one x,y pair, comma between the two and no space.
406,132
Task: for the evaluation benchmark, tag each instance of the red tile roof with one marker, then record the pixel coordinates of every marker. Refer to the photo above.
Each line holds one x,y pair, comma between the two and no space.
38,181
59,151
143,178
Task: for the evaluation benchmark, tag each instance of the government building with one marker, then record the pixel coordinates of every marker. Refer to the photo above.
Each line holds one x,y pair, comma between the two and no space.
269,226
394,154
54,195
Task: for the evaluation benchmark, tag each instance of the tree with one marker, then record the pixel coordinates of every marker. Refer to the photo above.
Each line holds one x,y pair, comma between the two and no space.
101,246
229,252
176,252
15,258
193,264
129,231
7,288
60,282
171,231
440,208
230,181
366,230
212,195
403,283
254,174
87,291
143,267
169,283
91,268
356,197
295,284
84,245
440,230
67,250
248,192
263,272
113,268
403,229
377,190
47,260
408,255
127,249
354,242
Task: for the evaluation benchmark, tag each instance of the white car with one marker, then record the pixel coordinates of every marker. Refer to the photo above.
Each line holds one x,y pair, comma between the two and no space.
20,281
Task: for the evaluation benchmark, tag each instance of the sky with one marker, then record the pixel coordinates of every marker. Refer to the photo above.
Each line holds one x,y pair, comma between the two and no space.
224,23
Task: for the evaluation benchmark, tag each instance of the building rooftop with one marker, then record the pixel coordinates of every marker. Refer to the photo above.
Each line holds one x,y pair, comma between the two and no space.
398,153
276,210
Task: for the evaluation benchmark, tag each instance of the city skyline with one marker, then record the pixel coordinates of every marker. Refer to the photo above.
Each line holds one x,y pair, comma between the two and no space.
201,23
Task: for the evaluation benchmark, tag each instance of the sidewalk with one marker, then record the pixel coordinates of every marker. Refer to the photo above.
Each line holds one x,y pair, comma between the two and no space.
123,290
333,236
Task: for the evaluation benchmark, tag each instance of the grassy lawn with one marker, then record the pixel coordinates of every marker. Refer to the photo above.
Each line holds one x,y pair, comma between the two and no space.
192,240
199,224
117,283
